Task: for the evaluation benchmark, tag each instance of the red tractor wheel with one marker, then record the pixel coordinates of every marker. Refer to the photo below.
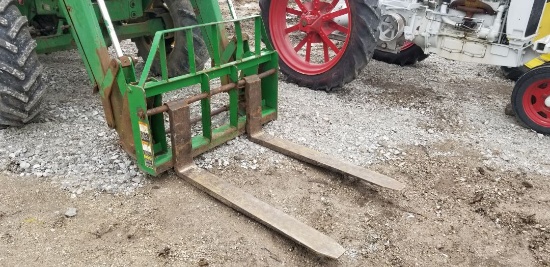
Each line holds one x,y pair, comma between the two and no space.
322,44
410,54
531,99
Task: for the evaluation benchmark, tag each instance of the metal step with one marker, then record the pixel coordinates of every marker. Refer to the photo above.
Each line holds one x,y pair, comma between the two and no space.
262,212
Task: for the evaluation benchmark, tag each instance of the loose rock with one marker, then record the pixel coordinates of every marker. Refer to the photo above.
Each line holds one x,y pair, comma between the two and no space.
71,212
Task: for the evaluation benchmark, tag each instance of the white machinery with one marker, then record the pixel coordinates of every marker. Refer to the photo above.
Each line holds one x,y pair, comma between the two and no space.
466,30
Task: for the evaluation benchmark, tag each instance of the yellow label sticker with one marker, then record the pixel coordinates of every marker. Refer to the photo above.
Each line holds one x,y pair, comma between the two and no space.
147,149
143,127
144,132
145,137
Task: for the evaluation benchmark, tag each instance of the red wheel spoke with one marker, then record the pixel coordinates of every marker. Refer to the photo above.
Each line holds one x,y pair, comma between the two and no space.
539,109
325,50
300,5
292,29
539,93
294,11
329,42
335,14
301,44
539,106
316,4
338,27
333,5
308,50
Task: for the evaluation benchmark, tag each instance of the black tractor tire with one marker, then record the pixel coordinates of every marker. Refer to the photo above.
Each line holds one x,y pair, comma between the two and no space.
21,86
513,73
181,13
528,99
406,57
365,17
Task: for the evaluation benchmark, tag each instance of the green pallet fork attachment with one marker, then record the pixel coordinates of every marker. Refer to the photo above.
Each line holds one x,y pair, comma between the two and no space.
159,134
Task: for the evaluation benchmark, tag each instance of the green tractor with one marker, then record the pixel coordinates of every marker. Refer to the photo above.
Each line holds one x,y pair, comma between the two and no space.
28,28
175,38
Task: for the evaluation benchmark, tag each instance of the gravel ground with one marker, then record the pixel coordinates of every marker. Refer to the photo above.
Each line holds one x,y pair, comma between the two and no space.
439,127
391,107
371,120
69,142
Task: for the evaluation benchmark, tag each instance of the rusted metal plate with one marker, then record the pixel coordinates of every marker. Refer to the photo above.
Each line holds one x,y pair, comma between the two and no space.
253,98
317,158
180,127
262,212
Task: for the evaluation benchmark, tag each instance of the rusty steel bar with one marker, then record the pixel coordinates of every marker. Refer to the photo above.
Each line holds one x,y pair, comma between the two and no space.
212,114
323,160
224,88
253,96
181,137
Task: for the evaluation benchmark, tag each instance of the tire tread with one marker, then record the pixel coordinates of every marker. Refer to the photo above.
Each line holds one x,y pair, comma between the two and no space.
21,87
178,60
16,26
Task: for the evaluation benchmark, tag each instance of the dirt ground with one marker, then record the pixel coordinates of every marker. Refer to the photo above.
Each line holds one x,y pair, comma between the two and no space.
491,218
455,211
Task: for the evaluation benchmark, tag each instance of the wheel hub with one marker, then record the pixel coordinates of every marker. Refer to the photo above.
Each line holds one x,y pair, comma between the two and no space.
547,101
311,23
309,19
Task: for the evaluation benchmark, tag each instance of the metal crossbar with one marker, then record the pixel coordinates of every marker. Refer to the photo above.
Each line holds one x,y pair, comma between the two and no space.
156,48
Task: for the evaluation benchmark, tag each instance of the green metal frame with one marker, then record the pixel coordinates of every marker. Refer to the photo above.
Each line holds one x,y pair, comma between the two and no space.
121,10
232,60
130,19
251,63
